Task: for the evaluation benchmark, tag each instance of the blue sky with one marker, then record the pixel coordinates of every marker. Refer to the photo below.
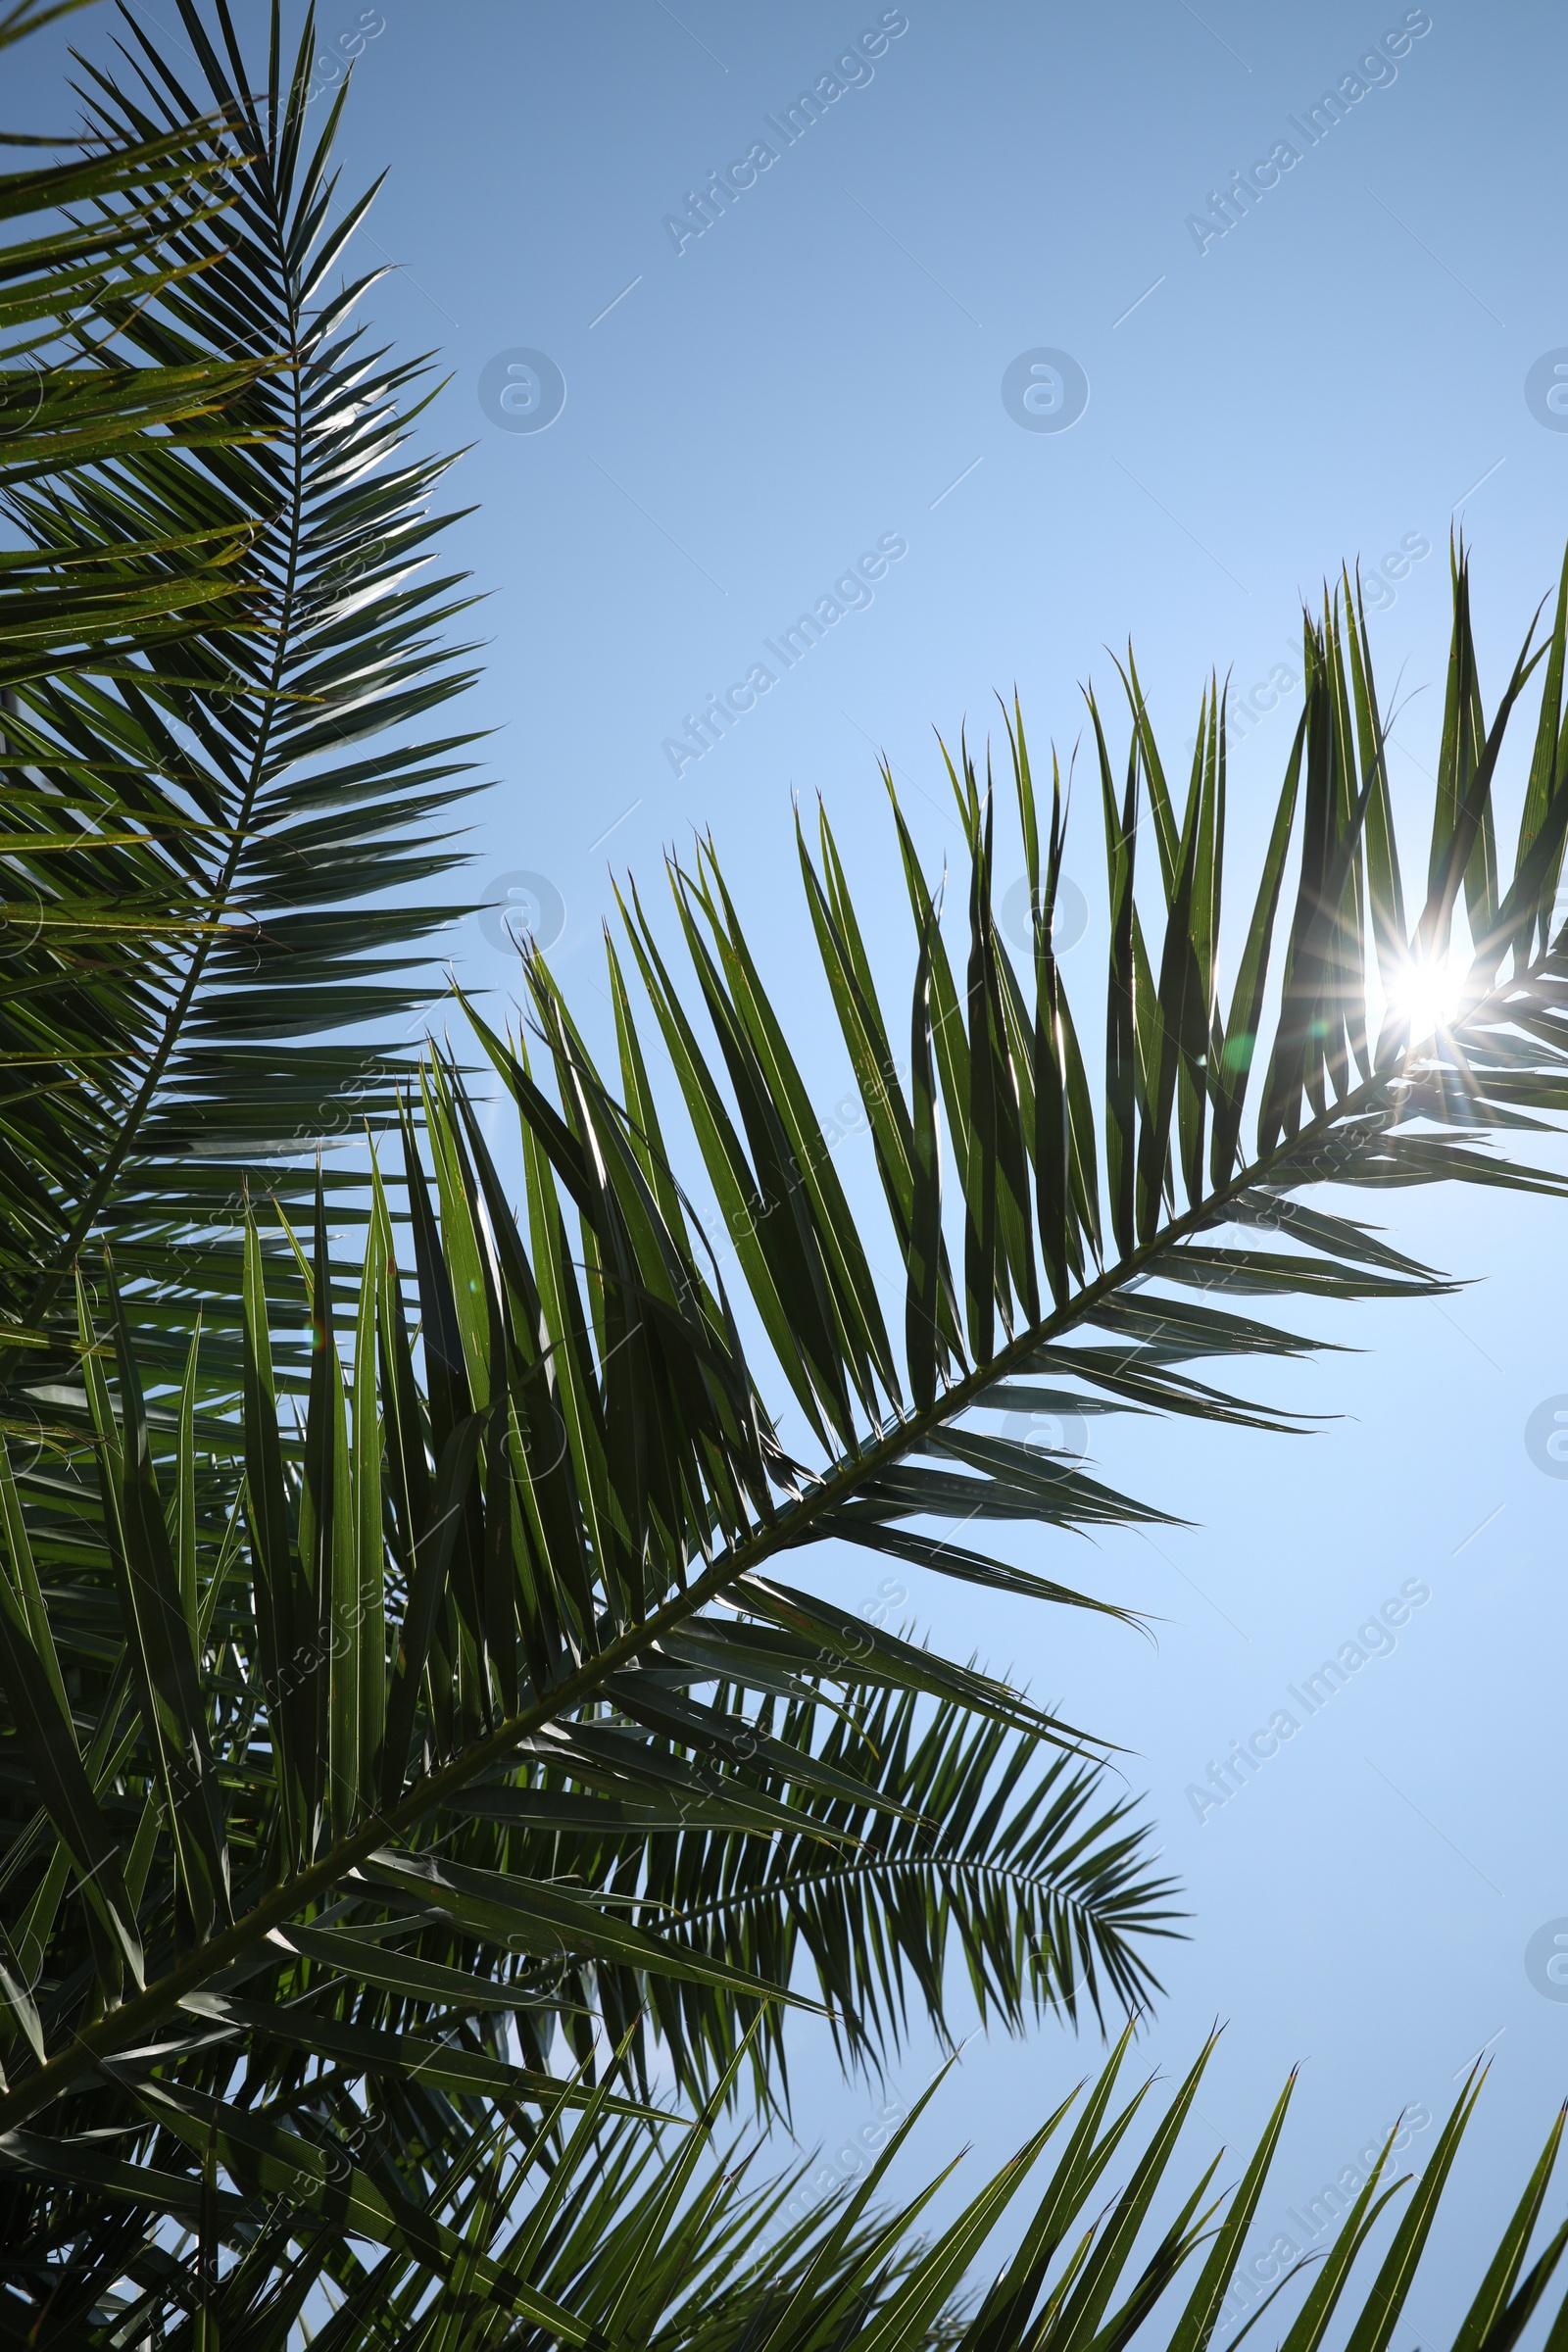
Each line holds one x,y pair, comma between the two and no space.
808,404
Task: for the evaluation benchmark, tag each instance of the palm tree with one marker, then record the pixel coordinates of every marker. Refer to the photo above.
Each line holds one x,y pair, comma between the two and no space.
355,1756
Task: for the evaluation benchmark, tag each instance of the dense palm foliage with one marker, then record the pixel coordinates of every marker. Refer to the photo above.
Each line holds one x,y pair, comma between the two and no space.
208,801
423,1719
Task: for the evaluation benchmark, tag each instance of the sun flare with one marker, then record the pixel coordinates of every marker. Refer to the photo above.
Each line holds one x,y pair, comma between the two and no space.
1427,996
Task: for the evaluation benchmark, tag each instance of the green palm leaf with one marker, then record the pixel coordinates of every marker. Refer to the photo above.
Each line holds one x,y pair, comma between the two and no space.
915,1829
194,804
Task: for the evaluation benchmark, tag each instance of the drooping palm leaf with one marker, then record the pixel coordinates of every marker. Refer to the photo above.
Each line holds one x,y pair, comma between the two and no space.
665,1850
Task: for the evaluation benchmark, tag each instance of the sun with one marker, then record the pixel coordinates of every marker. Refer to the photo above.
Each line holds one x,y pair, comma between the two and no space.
1427,994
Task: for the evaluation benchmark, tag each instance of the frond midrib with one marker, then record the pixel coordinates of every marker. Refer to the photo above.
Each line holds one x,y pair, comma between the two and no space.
951,1864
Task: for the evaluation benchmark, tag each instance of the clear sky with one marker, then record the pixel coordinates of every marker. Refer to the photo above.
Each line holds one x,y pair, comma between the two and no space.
980,325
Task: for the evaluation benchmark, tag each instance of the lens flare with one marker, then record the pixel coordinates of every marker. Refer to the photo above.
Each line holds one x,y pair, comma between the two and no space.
1427,994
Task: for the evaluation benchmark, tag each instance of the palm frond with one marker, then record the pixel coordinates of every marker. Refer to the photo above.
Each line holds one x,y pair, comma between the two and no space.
274,1689
200,992
32,16
913,1830
93,229
590,2229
